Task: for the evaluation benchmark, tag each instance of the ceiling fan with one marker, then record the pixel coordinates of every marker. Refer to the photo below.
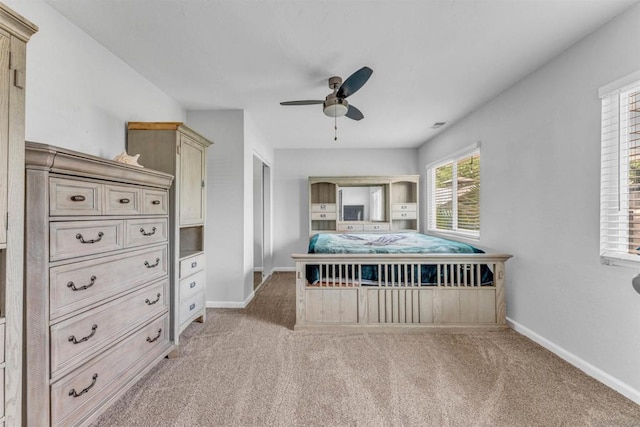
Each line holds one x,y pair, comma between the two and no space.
335,104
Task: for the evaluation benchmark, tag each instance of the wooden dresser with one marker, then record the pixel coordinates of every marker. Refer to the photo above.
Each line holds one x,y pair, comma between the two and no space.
15,32
97,284
176,149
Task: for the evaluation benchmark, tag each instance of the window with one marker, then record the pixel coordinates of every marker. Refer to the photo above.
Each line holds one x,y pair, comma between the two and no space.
453,200
620,171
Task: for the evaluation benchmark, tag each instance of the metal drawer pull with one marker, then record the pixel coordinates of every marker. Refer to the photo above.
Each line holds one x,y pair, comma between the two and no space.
124,201
151,233
192,306
146,263
149,339
73,390
78,198
152,302
79,237
194,264
82,288
155,202
73,339
192,285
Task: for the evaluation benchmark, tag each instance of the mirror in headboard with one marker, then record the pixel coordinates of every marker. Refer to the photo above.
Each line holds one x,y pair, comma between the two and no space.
362,203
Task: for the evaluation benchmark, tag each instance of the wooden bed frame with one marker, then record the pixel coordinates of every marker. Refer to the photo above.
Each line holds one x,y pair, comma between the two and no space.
458,299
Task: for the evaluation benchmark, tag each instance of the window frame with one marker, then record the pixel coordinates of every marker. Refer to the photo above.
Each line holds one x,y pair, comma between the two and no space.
608,94
473,149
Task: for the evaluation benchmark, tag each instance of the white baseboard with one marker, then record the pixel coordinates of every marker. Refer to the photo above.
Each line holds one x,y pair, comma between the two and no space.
593,371
231,304
284,269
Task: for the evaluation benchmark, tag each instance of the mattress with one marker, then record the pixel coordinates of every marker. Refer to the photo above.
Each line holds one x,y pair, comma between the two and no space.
391,243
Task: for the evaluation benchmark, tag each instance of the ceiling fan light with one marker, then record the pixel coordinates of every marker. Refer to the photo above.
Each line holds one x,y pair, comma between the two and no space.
335,110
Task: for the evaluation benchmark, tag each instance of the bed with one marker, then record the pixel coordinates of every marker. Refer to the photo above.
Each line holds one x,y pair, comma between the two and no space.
403,278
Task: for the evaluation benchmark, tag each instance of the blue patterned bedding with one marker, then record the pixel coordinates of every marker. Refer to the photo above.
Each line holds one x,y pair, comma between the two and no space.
392,243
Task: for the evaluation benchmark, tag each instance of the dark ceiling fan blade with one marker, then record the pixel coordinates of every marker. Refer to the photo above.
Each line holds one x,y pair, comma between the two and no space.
354,82
307,102
354,113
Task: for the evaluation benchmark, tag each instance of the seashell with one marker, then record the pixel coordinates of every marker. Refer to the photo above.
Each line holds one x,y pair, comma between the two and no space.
127,159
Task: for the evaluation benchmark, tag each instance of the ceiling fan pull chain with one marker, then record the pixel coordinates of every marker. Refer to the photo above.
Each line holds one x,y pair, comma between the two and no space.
335,128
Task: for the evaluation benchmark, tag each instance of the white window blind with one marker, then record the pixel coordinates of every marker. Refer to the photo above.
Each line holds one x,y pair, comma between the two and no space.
453,202
620,172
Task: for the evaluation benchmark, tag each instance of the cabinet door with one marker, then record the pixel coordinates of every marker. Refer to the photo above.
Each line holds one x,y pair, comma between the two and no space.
4,136
192,175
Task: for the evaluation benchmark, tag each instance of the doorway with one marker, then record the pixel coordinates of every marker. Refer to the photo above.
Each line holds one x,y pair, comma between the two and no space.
262,255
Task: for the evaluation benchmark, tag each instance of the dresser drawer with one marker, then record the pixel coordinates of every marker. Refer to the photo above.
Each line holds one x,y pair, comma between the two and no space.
192,285
74,340
350,227
376,227
73,197
323,207
145,231
74,239
320,216
404,215
155,202
121,200
404,207
191,265
190,307
77,395
82,284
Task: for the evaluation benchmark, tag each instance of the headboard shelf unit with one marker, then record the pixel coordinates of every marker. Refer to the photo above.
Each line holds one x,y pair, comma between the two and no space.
404,205
323,208
363,203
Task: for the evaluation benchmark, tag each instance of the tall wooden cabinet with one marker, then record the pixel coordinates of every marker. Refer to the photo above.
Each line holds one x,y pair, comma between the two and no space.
175,148
15,32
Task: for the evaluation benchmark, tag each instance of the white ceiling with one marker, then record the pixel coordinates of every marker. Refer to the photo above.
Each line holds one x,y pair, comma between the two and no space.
434,60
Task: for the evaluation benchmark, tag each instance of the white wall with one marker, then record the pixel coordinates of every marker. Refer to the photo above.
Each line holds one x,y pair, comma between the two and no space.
229,243
79,95
225,202
291,170
540,173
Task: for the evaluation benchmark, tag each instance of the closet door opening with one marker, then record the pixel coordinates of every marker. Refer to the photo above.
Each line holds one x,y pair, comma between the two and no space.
262,256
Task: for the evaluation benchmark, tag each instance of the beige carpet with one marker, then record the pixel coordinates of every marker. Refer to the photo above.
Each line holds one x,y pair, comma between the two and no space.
249,368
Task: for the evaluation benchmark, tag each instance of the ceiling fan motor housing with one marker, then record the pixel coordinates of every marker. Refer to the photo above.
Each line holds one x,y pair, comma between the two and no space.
335,107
